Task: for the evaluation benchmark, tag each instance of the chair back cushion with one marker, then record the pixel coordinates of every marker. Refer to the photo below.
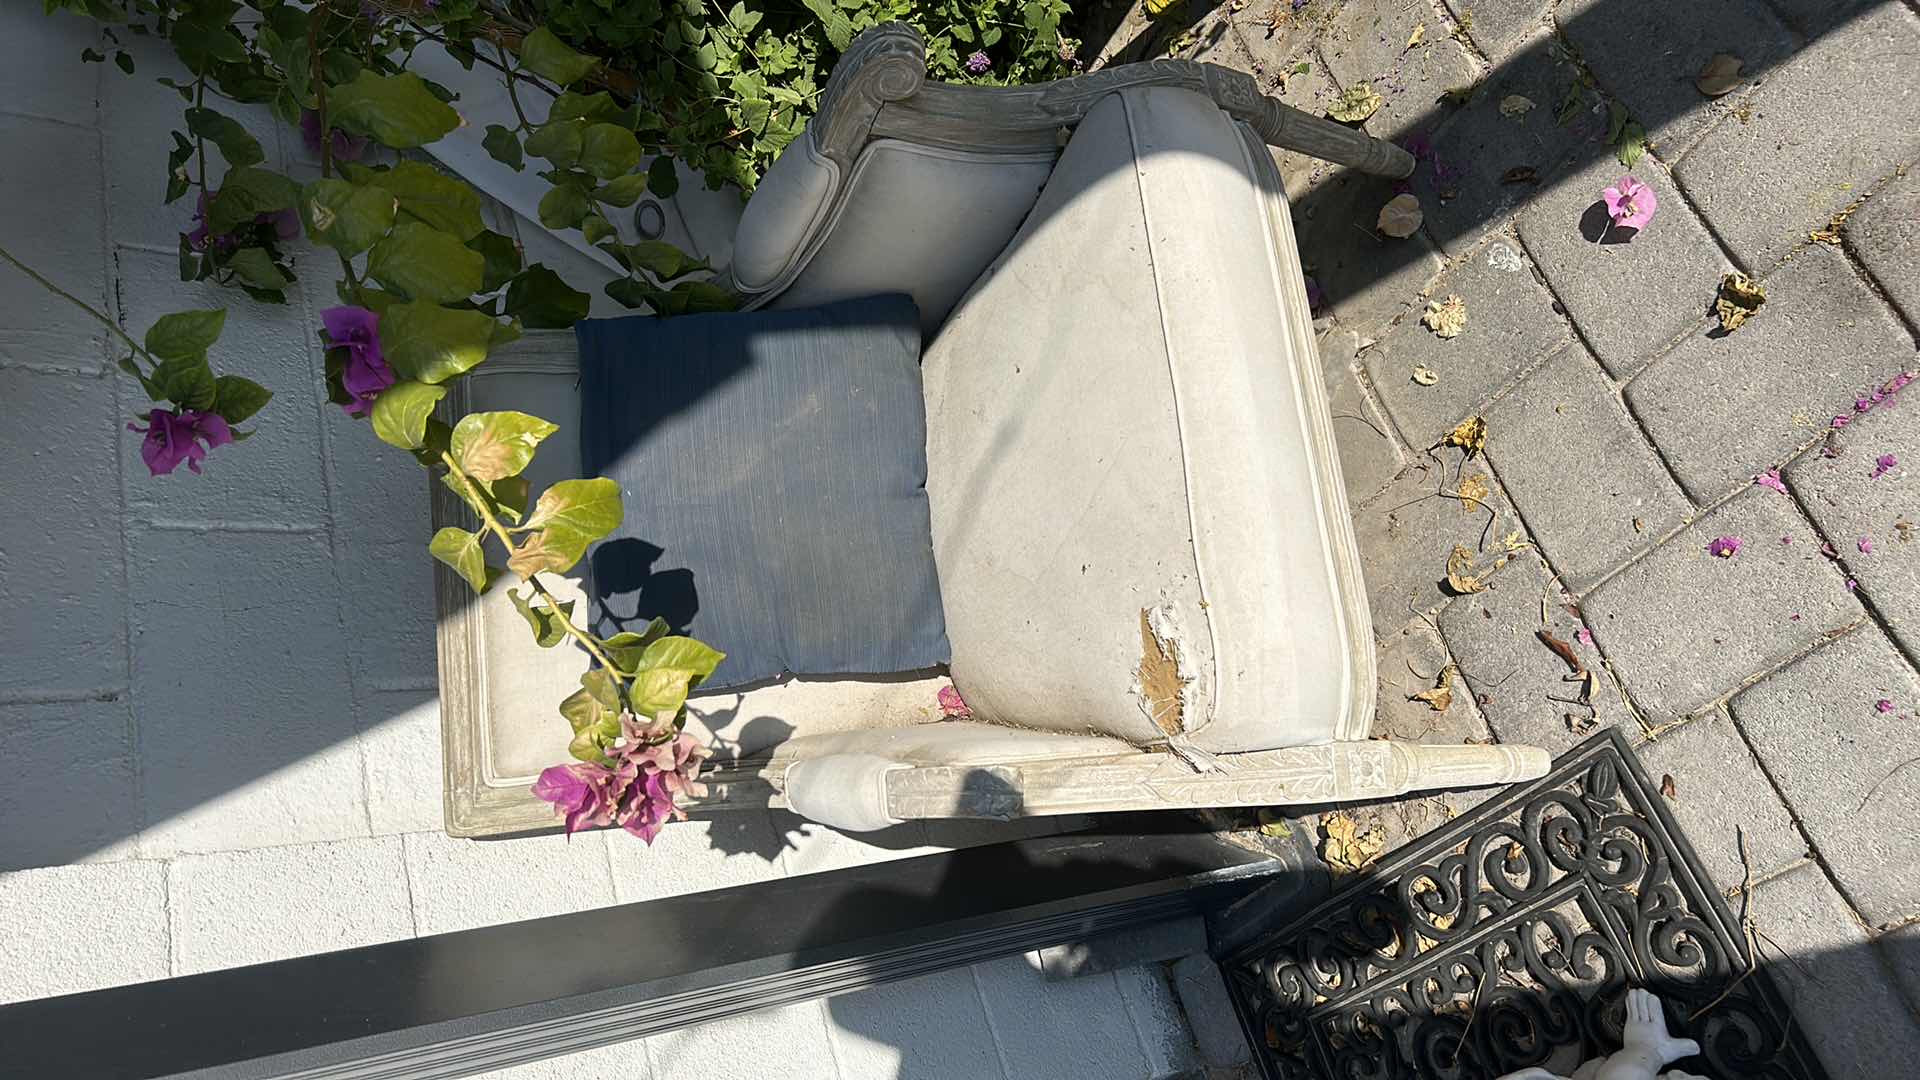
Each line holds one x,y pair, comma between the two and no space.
1137,511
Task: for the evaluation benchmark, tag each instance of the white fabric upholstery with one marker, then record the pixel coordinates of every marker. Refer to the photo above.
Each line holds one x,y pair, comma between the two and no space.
917,219
1125,416
784,215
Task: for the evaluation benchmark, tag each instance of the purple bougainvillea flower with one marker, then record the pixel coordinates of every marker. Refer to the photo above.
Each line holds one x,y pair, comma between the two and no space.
174,436
1725,546
1771,479
345,147
1852,584
952,705
582,793
1883,705
978,63
1316,296
646,774
1881,464
1882,397
1865,545
1786,539
1630,203
367,373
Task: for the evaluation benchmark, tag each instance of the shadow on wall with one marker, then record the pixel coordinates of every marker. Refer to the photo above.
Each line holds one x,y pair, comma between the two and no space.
1472,151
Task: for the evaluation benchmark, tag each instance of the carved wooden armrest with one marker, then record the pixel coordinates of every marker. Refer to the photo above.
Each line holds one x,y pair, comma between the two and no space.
879,89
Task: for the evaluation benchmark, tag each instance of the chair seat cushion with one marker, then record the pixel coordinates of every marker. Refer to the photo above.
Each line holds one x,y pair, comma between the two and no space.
1137,510
773,469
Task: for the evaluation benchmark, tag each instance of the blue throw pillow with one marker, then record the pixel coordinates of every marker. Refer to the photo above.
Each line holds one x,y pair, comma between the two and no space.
774,471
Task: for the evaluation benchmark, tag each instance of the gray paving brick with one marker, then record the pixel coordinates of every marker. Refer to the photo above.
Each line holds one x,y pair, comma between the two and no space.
1810,148
240,676
67,791
790,1041
63,559
75,928
1840,993
273,477
1885,236
1902,951
1723,408
1476,146
1494,637
1368,278
1407,532
40,69
1277,37
1368,456
1827,745
1684,627
1497,26
1074,1028
1817,17
1367,40
400,739
1203,997
1590,487
54,228
930,1028
1848,504
1649,60
1719,791
461,884
249,907
1510,327
1410,662
1629,293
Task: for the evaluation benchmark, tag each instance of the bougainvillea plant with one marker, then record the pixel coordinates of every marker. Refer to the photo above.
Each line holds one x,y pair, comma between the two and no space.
426,292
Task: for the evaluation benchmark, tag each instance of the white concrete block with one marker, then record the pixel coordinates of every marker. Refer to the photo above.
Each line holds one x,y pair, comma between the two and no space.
75,928
1157,1019
136,116
51,218
272,478
62,571
929,1028
1209,1011
694,856
621,1061
400,737
41,73
1078,1028
250,907
461,884
240,693
380,495
66,783
812,848
788,1042
390,585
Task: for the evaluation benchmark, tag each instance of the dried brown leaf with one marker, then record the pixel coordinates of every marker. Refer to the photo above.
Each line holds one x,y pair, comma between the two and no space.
1358,102
1469,435
1446,318
1515,105
1473,493
1564,651
1401,217
1521,174
1740,299
1668,787
1459,576
1419,34
1425,375
1720,76
1440,698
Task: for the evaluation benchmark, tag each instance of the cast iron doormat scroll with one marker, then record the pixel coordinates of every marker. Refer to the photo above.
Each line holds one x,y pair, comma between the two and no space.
1509,938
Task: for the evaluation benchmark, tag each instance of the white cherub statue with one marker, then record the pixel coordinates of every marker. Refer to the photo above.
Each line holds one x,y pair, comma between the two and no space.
1648,1047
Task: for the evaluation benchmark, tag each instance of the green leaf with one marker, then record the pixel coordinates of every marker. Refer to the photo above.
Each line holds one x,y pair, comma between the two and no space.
236,145
397,110
509,494
608,150
687,297
624,190
595,704
187,381
1633,143
662,179
589,507
426,264
400,413
245,194
500,258
202,46
461,550
543,301
490,445
558,141
596,228
1616,121
626,648
834,21
346,217
593,108
177,159
424,192
545,54
706,57
236,398
187,334
504,146
632,292
563,208
255,267
429,343
124,61
668,670
661,259
547,630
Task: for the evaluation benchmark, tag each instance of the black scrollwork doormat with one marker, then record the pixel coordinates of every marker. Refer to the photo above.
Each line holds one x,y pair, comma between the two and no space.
1509,938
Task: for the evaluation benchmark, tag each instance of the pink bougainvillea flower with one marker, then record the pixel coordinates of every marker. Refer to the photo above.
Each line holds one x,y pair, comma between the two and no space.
1826,548
637,788
582,793
1630,203
952,706
1786,539
1725,546
1865,545
1584,636
1883,705
1881,464
978,63
1852,584
1771,479
367,373
1882,397
174,436
1316,296
345,147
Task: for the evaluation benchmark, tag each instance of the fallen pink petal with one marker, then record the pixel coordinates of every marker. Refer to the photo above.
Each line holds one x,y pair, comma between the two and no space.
1865,545
1883,705
1725,547
952,705
1584,636
1881,464
1630,203
1771,479
1852,584
1786,539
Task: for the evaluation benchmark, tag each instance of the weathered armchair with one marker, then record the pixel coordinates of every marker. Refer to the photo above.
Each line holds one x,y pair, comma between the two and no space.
1149,574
